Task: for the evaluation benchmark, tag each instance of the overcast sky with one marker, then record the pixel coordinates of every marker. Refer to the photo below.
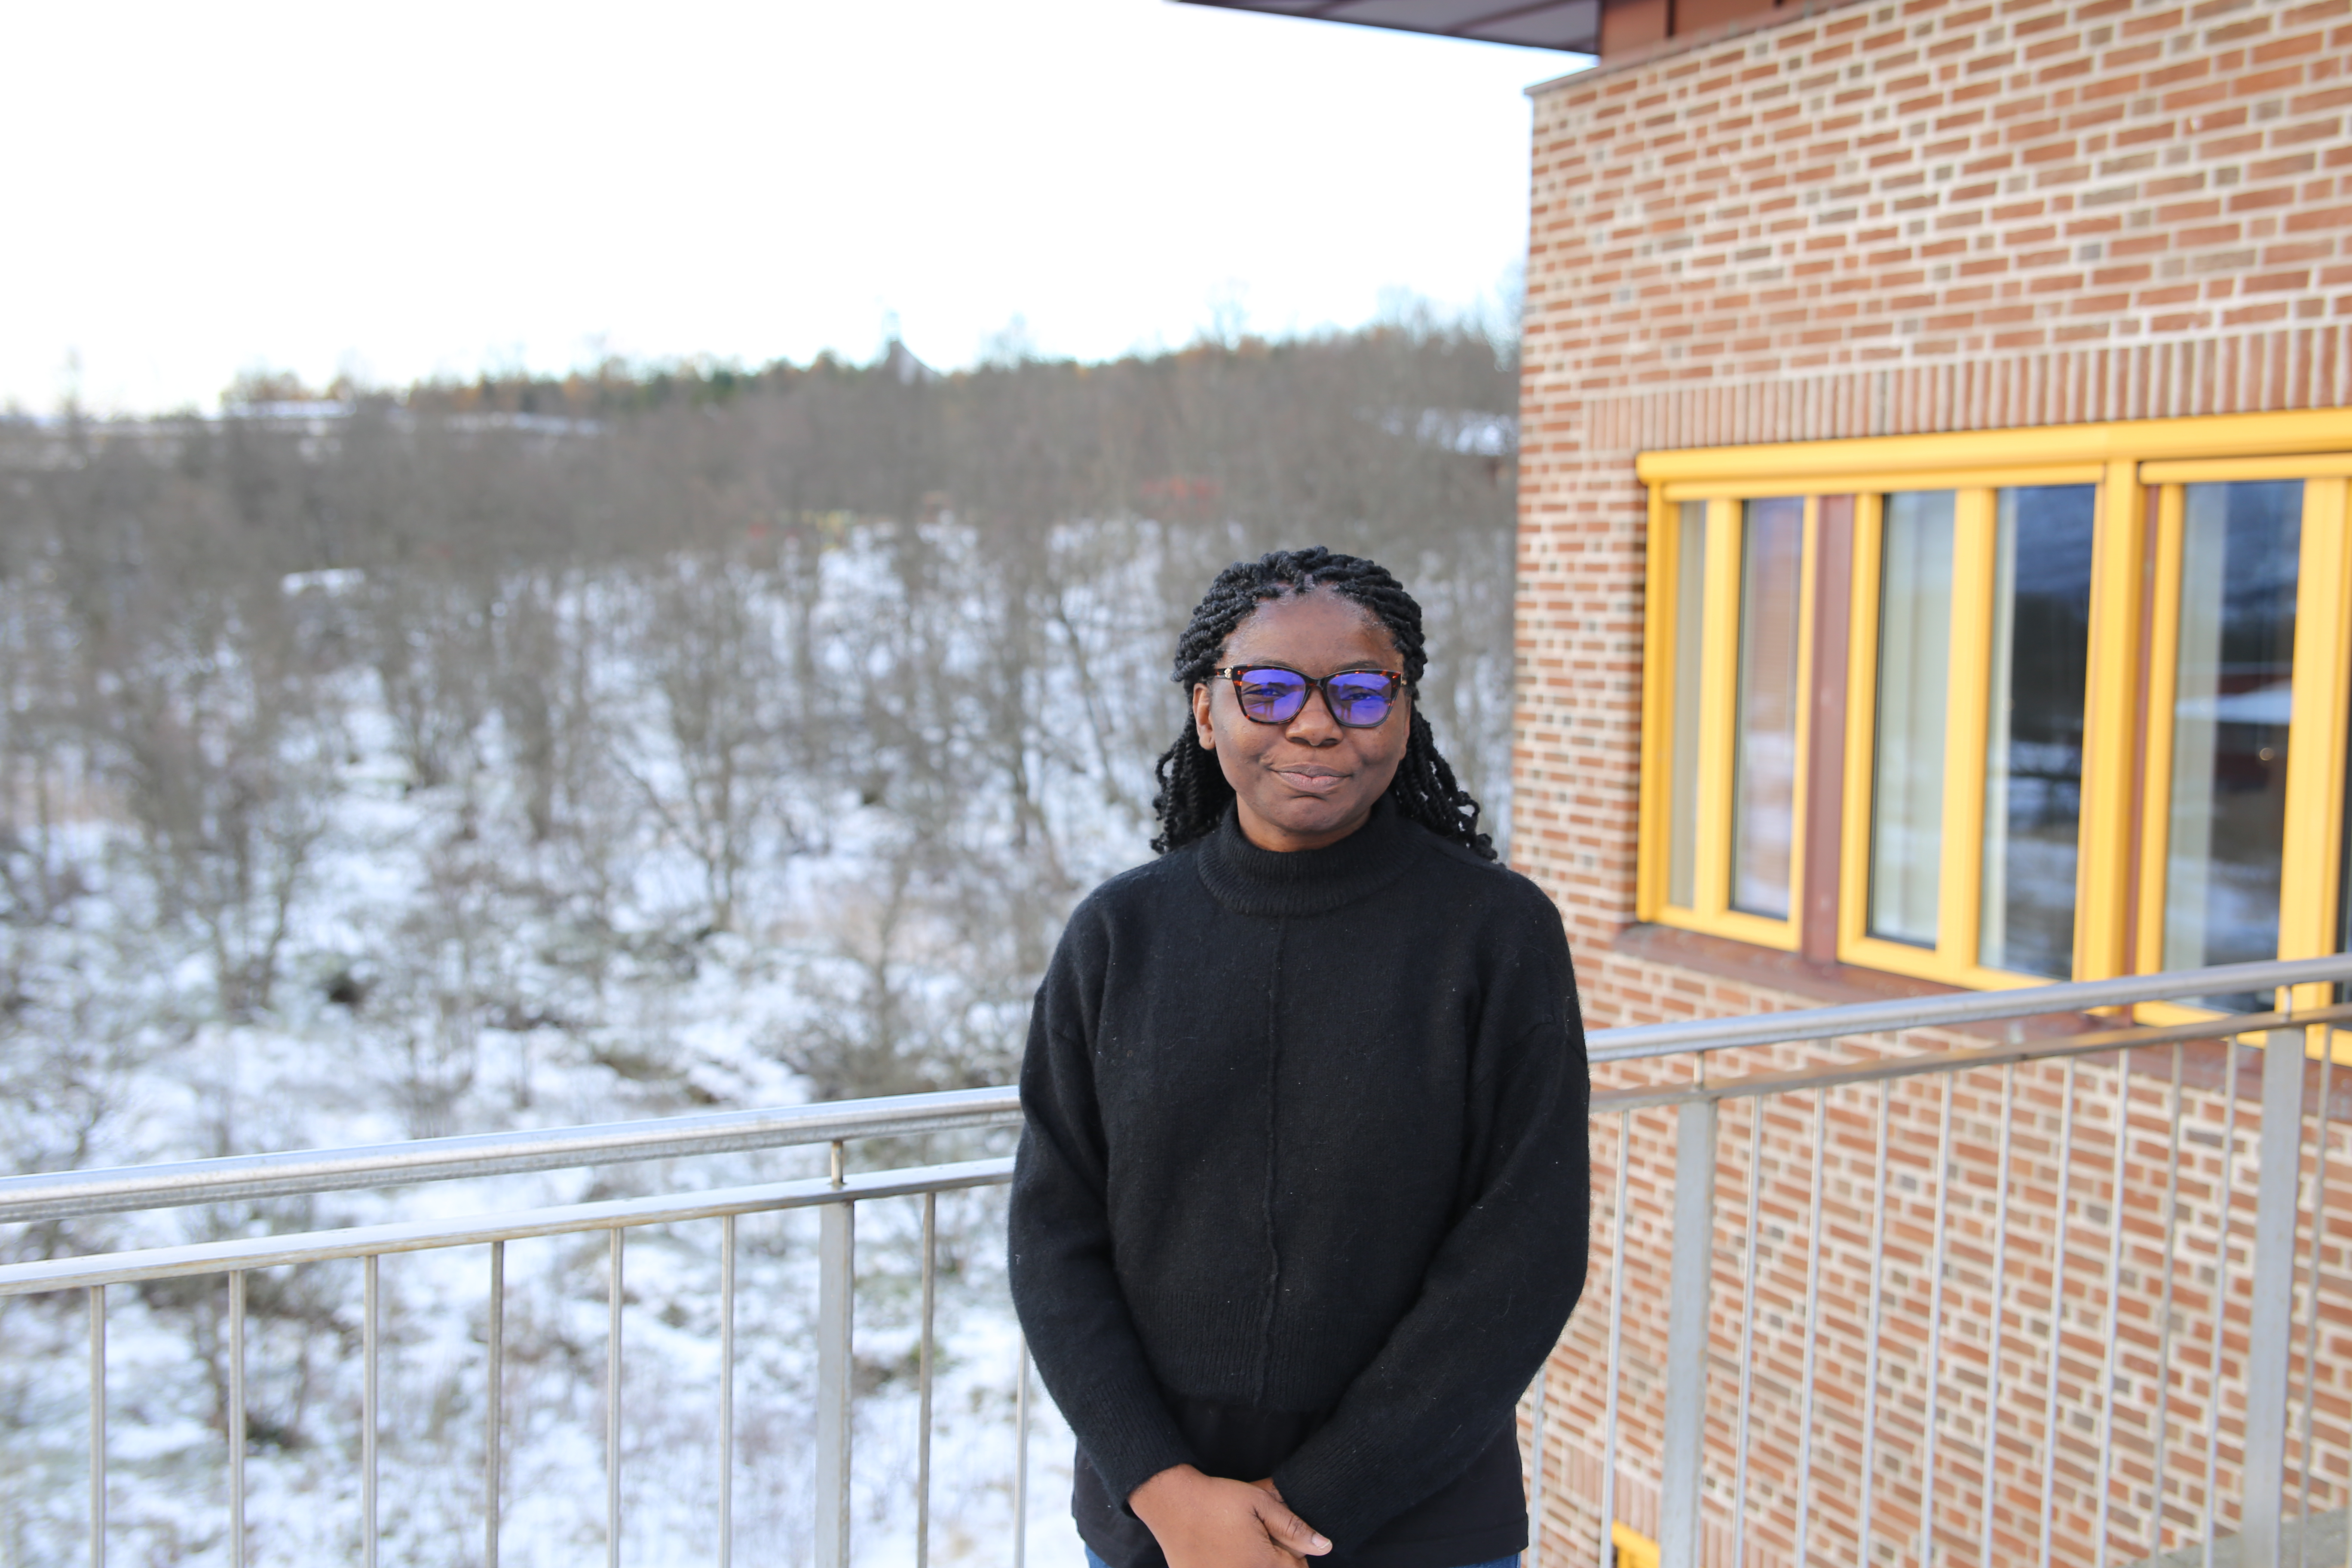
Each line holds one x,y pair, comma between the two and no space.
431,190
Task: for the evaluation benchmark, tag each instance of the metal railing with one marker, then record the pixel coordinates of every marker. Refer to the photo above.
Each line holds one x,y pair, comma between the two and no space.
45,1197
1981,1451
1692,1496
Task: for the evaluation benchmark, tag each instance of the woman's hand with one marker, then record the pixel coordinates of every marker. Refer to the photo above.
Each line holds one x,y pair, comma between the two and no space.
1202,1521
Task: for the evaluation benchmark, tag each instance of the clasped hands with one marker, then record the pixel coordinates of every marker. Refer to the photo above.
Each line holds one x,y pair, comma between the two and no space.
1205,1521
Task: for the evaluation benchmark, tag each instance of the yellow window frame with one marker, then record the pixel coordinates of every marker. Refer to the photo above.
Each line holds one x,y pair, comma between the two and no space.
2101,854
1961,839
1710,910
2126,459
2310,872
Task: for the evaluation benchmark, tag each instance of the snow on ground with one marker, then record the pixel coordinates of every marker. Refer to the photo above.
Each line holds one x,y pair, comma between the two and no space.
738,877
443,973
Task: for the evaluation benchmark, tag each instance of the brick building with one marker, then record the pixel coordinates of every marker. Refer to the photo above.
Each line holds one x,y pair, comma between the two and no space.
1935,573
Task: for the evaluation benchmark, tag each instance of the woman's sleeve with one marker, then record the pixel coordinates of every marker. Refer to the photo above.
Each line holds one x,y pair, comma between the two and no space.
1498,1293
1064,1283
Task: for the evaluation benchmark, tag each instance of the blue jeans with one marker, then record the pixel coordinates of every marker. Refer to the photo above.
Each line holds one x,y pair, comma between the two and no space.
1510,1562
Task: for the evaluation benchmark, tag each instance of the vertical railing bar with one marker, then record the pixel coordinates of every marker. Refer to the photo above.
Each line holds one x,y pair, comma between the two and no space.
98,1426
2220,1300
923,1383
1021,1459
493,1446
1812,1331
1936,1328
1870,1371
1748,1331
727,1391
612,1292
1608,1554
2164,1308
2311,1318
836,1328
371,1333
2000,1296
1681,1455
236,1417
2057,1318
1536,1468
2270,1298
2114,1295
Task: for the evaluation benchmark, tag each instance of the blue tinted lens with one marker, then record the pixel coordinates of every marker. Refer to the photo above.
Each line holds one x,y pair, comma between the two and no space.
1271,696
1361,698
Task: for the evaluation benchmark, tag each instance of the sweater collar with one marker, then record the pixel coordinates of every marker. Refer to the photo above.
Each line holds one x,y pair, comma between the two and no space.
1254,881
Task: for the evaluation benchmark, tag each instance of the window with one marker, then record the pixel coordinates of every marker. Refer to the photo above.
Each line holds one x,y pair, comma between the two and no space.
1906,813
2097,690
1971,614
1768,707
2241,852
1731,764
2034,748
2228,690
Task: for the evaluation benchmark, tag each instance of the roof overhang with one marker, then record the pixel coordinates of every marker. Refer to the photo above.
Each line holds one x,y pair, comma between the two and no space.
1570,26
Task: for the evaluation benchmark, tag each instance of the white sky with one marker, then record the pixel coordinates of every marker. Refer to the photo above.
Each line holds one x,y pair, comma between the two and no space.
410,190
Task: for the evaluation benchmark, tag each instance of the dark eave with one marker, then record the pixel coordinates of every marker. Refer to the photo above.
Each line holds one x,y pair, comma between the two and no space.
1573,25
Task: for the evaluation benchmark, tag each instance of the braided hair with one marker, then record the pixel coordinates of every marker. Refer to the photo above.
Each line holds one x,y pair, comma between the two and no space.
1192,788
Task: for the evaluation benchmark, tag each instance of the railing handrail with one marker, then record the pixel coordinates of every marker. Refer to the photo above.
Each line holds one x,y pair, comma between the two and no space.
67,1194
1880,1070
1644,1040
243,1252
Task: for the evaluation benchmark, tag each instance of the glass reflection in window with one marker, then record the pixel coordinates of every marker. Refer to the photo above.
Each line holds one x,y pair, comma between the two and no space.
2034,754
1914,652
1764,769
2239,547
1690,627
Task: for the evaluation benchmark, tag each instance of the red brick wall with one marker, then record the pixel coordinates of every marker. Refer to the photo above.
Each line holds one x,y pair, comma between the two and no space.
1882,220
1878,219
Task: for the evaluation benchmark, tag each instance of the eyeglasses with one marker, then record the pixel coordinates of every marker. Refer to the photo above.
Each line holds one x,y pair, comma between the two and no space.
1271,694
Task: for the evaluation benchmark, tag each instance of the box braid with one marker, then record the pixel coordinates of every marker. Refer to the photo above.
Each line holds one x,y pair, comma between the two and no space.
1193,789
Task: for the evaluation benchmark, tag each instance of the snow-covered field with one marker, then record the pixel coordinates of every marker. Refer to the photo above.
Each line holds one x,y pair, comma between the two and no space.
443,969
368,857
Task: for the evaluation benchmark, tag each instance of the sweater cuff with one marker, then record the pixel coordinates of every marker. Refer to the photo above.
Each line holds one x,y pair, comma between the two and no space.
1136,1452
1344,1503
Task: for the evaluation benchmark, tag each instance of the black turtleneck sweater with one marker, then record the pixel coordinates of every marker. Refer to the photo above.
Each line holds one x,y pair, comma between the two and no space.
1303,1186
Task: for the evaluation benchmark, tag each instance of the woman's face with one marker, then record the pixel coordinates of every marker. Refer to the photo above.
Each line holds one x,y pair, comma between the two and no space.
1309,781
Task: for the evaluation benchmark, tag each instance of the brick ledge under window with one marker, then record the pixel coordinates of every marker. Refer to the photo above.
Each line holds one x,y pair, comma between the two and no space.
1828,984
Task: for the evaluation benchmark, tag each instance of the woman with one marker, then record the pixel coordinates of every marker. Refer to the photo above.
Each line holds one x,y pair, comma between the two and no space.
1300,1207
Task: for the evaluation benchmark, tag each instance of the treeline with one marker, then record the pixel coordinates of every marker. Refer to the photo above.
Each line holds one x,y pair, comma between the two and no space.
643,646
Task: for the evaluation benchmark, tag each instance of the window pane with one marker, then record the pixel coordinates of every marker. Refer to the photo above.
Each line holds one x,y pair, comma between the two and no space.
1764,777
2034,753
1915,651
2239,547
1690,617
